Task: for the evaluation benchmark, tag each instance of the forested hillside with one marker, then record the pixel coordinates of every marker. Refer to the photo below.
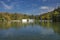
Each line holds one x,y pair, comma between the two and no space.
53,15
14,16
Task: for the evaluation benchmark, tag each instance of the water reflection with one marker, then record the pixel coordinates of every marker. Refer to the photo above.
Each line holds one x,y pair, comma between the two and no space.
50,25
7,25
29,31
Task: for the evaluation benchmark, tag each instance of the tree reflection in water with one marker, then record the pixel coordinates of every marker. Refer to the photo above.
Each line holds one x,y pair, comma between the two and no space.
55,26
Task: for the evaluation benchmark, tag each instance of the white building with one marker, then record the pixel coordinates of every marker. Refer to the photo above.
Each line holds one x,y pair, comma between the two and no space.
30,20
24,20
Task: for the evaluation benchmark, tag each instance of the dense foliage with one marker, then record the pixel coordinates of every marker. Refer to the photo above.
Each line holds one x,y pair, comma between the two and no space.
53,15
14,16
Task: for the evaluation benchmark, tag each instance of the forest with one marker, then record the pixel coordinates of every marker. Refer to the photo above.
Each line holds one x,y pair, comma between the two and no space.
53,15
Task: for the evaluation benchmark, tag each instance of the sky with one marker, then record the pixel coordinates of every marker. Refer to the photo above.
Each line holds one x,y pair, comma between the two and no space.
34,7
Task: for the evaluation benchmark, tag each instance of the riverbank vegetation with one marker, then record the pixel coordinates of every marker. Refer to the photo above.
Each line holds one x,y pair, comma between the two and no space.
5,16
53,15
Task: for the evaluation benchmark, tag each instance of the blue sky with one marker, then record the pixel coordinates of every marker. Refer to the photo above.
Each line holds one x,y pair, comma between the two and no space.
28,6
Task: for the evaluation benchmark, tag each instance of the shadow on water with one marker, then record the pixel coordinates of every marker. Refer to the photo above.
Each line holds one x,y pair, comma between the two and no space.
29,31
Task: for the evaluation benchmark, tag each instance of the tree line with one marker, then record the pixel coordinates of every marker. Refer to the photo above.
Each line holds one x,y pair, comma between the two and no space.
53,15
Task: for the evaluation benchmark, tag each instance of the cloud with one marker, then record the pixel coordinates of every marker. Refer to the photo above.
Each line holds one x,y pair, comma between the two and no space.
44,7
6,6
51,9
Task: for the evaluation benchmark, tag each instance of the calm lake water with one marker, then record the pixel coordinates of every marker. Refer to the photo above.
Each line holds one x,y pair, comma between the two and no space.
29,31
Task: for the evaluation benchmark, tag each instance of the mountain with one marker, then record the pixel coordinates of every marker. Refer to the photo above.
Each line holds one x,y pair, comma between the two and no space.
53,15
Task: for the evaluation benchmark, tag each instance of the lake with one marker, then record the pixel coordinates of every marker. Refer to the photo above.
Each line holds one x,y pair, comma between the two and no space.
29,31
